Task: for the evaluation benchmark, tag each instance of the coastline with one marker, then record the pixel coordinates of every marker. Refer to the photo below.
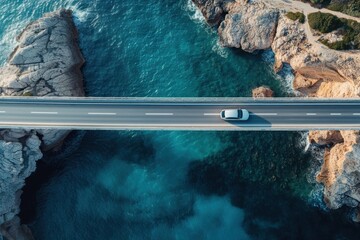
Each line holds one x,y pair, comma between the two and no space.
46,62
319,72
103,156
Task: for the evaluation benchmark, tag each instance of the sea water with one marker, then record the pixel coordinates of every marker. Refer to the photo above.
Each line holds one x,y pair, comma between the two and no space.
169,185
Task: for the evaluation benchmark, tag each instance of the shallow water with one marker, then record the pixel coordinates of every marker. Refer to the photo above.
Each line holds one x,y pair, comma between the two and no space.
170,185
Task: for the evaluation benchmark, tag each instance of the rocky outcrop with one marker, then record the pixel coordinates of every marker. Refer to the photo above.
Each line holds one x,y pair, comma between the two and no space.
262,92
319,72
340,172
325,73
212,10
46,62
250,27
328,138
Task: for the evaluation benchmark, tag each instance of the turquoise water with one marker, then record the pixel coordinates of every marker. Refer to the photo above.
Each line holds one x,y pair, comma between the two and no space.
169,185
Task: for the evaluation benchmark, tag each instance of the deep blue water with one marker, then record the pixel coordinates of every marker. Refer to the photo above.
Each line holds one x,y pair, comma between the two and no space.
169,185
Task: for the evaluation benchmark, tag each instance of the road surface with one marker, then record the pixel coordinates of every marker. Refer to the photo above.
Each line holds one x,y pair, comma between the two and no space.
177,113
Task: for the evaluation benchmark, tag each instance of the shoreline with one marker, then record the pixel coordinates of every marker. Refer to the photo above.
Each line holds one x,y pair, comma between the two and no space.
46,62
319,71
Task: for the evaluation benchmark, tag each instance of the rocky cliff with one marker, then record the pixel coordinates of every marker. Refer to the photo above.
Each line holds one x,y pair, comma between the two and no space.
46,62
319,72
250,27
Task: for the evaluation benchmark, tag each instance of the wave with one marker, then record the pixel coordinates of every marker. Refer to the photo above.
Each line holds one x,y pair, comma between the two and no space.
317,156
285,75
194,13
220,50
81,12
8,40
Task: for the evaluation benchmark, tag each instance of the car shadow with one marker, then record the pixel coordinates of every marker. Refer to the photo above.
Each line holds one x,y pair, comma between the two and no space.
254,122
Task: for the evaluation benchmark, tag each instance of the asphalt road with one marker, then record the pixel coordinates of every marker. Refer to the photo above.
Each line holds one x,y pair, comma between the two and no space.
177,114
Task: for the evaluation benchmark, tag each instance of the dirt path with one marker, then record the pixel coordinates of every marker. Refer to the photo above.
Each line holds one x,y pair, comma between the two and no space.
291,5
297,6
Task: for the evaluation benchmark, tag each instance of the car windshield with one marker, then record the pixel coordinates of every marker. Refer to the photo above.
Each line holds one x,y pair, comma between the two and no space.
240,113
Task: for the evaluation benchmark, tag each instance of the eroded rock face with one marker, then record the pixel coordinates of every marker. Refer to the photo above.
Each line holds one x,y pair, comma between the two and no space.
340,172
262,92
250,27
320,72
46,62
212,10
325,137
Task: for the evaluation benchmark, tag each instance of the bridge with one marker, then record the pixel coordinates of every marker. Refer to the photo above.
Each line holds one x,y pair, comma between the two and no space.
177,113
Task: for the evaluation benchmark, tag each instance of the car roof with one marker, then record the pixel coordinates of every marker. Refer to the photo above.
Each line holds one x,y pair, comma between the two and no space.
231,113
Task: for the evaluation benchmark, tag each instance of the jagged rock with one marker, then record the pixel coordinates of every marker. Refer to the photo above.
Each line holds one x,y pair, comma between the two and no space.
212,10
16,165
320,72
250,27
46,62
325,137
262,92
340,172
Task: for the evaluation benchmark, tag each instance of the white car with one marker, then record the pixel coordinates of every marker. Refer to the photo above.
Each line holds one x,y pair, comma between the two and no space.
234,114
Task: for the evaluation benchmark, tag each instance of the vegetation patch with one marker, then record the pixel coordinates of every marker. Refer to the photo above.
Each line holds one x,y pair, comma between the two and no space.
325,23
350,7
296,16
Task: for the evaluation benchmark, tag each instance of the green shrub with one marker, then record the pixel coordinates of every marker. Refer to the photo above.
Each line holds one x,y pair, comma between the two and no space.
339,45
351,36
351,7
324,22
296,16
318,1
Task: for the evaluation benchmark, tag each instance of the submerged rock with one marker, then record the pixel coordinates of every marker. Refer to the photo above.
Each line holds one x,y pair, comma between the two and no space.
46,62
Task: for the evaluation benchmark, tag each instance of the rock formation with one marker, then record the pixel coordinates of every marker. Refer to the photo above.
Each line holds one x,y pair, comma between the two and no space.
340,172
262,92
249,27
46,62
319,72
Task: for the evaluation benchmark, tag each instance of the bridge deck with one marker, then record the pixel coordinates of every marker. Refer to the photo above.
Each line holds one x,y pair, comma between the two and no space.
178,113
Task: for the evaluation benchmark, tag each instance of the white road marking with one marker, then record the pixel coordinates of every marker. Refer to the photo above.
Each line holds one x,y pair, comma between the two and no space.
2,111
311,114
264,114
44,112
211,114
159,114
95,113
356,114
335,114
